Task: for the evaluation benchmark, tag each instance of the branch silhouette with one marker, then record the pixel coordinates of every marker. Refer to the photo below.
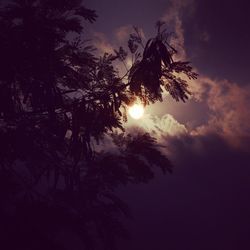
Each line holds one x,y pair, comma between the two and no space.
57,100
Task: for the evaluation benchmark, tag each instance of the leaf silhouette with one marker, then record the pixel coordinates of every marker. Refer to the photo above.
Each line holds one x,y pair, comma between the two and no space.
58,101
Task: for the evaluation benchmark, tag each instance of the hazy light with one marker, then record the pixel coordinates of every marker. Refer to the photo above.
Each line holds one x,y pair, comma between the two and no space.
136,111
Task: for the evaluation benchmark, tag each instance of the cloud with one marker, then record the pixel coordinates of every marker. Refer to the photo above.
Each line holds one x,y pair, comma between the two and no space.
229,104
121,36
226,101
122,33
228,109
173,19
101,43
158,127
205,200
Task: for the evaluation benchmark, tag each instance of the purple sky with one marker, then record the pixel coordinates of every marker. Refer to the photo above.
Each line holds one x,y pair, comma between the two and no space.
225,24
205,203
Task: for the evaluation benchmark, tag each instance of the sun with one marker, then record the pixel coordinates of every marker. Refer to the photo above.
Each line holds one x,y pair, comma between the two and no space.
136,111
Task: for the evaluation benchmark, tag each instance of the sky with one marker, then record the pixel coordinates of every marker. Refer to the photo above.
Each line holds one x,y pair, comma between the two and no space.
205,203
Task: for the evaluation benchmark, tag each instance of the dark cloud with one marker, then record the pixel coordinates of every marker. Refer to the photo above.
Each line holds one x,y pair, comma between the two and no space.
222,24
227,52
203,205
229,114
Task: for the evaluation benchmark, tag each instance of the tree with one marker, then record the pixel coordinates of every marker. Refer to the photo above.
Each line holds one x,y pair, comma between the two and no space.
58,100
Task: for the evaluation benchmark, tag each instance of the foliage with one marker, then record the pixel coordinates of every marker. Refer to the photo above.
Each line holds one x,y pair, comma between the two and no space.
156,69
58,100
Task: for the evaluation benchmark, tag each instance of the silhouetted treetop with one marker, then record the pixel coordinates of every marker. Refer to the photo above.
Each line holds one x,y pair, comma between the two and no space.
58,101
156,70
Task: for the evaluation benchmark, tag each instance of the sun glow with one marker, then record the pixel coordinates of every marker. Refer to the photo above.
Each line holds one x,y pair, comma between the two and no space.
136,111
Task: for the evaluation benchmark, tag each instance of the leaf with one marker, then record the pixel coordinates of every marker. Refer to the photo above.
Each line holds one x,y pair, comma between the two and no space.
87,14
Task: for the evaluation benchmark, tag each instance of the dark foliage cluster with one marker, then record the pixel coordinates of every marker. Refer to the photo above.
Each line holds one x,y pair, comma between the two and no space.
57,100
156,70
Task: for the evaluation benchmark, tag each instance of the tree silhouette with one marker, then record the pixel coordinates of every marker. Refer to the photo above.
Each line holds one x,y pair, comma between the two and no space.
57,102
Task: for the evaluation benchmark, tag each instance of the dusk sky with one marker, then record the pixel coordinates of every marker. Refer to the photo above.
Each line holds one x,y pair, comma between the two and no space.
66,106
205,203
